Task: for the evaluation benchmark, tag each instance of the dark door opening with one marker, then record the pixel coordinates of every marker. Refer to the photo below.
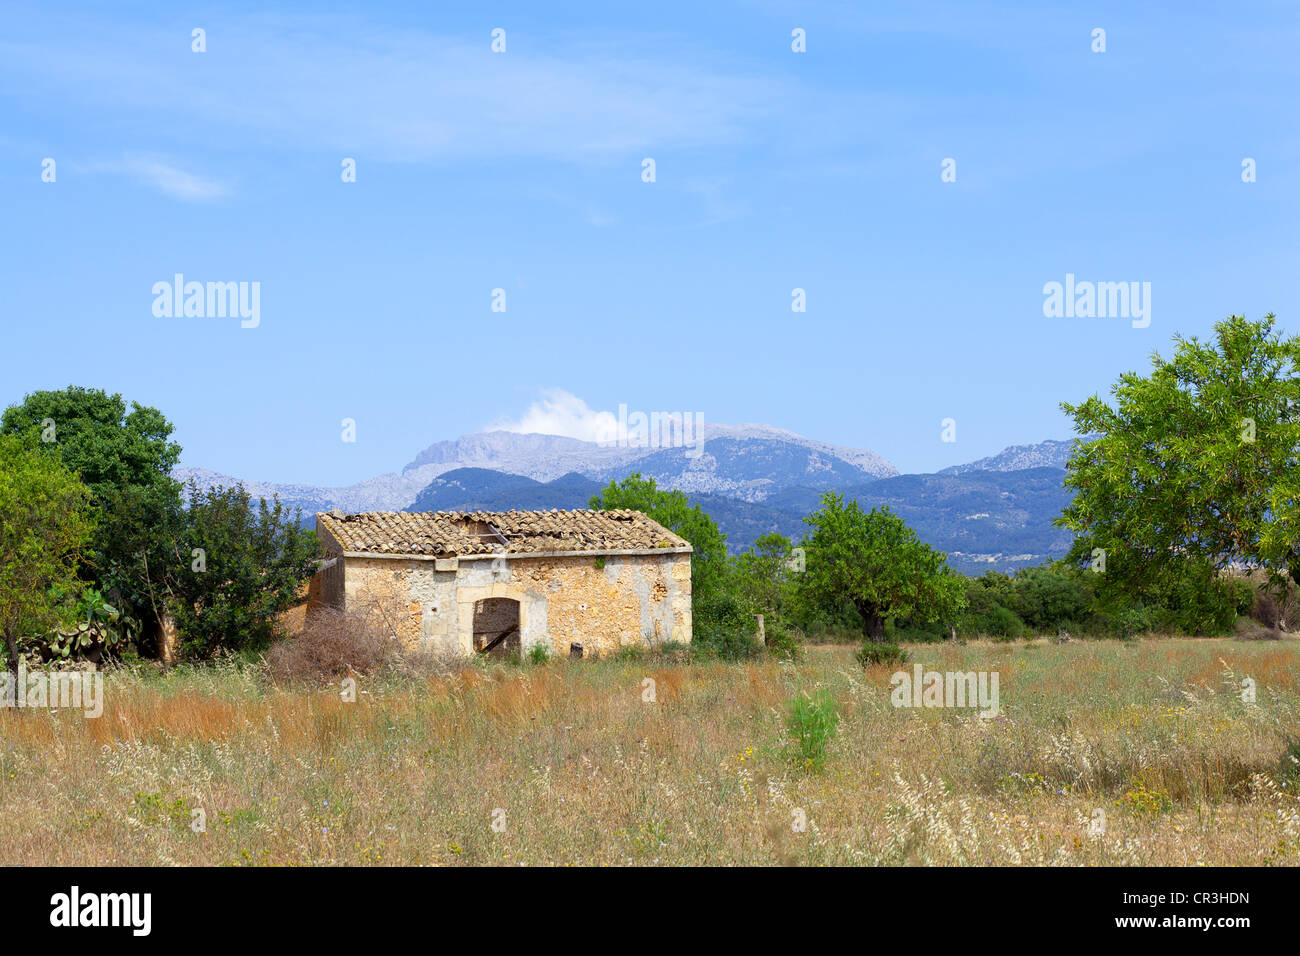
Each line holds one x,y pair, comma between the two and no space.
496,626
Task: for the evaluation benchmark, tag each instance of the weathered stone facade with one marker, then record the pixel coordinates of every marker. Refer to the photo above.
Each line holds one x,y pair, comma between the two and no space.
457,605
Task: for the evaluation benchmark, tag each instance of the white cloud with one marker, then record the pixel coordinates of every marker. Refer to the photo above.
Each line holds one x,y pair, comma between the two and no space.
406,96
173,181
558,412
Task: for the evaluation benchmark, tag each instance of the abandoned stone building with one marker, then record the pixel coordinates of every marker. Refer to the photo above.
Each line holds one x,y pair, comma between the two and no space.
456,583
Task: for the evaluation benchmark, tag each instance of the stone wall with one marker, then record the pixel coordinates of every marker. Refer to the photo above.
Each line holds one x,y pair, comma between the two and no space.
601,603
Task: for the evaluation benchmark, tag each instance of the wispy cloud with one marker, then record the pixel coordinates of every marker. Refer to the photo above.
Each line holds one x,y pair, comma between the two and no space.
717,207
558,412
399,96
163,175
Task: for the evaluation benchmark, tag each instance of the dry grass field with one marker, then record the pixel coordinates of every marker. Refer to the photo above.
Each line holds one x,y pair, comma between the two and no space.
576,768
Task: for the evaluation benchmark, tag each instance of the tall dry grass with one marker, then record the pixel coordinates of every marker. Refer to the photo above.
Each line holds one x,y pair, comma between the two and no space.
581,768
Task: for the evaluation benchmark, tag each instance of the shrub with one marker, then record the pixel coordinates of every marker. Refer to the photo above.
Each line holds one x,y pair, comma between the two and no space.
539,654
725,642
897,631
1006,624
629,653
1045,597
812,721
1288,768
872,653
1270,606
251,563
332,644
1136,619
782,643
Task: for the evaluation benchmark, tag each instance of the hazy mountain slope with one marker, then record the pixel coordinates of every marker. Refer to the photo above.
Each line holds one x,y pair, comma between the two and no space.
733,462
750,469
752,478
478,489
1044,454
999,520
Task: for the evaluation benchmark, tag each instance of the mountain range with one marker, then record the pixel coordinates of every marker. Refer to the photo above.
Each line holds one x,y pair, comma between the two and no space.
753,479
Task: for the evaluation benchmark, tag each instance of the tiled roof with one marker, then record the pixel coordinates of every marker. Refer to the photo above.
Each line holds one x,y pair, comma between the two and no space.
449,533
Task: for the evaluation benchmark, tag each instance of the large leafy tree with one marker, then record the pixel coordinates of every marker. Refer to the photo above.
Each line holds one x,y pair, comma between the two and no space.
1196,464
873,559
45,521
236,567
125,457
673,510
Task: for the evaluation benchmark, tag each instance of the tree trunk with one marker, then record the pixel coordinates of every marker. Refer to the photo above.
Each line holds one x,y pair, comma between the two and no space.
873,620
1284,603
11,642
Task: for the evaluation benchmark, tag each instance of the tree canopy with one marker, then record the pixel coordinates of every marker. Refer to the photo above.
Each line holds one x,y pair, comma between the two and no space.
673,510
236,568
1196,463
876,561
125,457
45,520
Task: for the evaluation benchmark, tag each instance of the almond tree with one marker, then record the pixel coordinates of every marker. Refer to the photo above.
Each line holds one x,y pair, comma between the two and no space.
874,560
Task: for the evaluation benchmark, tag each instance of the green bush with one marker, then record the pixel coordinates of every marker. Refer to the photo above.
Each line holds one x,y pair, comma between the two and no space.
1004,623
903,629
782,643
250,561
725,642
812,721
1134,620
1044,598
875,653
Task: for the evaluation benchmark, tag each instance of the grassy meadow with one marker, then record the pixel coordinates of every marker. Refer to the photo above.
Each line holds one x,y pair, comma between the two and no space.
575,767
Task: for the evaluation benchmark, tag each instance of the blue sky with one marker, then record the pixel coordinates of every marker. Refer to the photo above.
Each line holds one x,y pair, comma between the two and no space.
522,171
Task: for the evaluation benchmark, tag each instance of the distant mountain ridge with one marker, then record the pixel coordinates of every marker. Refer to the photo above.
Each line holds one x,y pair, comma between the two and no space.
983,520
545,457
745,461
1043,454
995,513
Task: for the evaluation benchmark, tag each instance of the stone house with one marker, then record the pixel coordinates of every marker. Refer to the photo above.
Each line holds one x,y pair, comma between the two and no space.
464,583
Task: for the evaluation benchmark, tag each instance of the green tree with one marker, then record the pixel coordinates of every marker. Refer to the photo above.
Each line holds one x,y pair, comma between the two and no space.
1196,464
236,567
45,521
710,568
875,560
125,457
1046,598
763,573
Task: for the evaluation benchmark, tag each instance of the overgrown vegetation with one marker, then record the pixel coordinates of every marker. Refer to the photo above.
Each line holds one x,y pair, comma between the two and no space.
224,567
332,644
589,772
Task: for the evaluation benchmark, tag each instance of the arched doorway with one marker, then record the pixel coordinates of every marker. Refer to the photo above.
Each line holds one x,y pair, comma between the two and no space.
496,626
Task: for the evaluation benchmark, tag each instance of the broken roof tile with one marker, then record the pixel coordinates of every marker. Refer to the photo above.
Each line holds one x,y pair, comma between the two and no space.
451,533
